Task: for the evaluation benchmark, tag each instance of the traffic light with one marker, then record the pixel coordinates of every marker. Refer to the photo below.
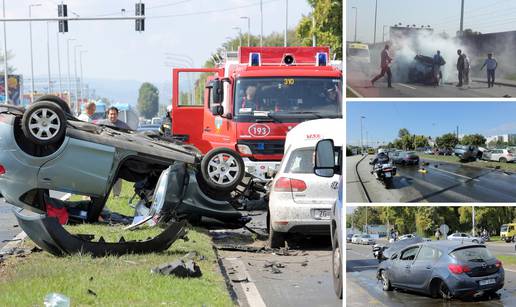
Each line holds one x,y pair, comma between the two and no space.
62,11
140,11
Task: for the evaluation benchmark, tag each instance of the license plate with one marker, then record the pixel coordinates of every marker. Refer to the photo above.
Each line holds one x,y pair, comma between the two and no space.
388,175
487,282
322,214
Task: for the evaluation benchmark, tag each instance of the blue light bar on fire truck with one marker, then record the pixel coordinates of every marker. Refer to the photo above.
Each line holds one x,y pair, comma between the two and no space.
255,59
321,59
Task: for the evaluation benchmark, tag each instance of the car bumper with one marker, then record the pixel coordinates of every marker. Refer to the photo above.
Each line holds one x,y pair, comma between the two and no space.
289,216
465,286
261,169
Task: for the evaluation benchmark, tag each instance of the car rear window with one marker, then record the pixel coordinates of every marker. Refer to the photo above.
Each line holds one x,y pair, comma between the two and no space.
476,253
301,161
428,254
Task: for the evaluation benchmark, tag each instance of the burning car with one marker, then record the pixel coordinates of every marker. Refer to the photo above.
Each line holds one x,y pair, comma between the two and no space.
421,70
45,148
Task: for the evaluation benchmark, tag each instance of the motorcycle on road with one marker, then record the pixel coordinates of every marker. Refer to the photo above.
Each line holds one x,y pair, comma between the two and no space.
384,172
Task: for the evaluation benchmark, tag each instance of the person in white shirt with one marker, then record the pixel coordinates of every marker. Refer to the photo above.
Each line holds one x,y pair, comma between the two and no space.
89,111
491,64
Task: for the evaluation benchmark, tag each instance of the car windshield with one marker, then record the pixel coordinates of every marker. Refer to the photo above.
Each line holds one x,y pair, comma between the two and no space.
291,97
476,253
503,228
358,52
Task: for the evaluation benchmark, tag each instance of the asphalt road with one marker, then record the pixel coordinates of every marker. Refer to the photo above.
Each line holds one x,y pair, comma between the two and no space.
363,289
443,182
8,224
305,279
361,84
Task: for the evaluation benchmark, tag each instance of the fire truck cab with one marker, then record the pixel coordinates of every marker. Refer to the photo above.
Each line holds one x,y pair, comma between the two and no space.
238,113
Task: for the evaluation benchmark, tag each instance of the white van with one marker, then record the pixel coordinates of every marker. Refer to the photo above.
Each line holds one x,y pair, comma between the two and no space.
299,200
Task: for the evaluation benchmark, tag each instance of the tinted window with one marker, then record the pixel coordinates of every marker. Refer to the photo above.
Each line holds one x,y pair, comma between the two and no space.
475,254
301,161
503,228
409,254
428,254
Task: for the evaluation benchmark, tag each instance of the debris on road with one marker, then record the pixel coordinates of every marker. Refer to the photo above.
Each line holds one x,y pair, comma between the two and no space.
240,248
274,266
180,268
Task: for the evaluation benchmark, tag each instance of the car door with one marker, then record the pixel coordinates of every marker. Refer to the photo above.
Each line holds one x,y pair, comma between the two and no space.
422,268
402,267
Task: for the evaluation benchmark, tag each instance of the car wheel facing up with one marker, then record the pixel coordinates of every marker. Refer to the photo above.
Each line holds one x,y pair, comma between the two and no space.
222,168
44,123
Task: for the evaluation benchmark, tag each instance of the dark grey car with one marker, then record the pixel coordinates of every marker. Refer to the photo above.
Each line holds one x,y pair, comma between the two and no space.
443,269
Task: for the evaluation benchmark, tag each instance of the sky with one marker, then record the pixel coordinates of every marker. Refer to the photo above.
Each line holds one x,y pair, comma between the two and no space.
116,51
443,15
384,119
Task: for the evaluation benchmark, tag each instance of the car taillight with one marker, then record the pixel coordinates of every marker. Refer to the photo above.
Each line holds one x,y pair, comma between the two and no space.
284,184
498,264
458,269
2,170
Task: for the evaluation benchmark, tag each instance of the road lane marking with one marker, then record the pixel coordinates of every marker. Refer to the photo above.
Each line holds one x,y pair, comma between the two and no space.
252,295
408,86
354,92
455,174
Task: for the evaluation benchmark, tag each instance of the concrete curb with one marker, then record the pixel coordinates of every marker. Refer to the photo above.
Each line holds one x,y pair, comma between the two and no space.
496,83
19,238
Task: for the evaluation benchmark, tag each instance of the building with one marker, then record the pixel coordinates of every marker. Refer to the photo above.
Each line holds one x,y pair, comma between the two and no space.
506,138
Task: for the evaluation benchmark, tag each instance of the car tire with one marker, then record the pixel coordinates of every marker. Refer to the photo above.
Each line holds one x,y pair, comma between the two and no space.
444,291
276,239
231,171
502,160
60,102
474,241
38,117
337,265
386,283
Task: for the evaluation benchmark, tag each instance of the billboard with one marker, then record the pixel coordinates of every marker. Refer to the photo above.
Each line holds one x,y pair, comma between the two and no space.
14,83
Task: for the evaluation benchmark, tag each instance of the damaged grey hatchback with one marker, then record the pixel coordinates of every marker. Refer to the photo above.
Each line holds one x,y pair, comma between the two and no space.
45,148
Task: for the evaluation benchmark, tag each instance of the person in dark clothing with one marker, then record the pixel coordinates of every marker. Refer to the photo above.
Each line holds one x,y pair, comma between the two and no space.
166,126
460,67
381,158
437,62
385,61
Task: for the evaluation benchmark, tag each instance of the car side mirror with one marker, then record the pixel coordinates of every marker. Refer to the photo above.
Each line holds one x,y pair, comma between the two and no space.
217,110
325,158
217,91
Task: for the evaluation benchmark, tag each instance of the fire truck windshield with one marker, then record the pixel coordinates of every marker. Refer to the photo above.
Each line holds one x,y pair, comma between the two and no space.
288,97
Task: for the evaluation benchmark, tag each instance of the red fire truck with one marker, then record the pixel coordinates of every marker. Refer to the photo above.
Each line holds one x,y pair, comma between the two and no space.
239,112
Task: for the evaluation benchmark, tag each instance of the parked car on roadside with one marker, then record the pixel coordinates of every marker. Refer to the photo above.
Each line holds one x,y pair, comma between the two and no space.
405,158
443,151
366,240
467,152
348,237
461,236
447,269
299,200
499,155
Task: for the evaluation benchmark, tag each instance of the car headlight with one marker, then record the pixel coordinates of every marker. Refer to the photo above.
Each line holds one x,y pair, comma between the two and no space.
244,149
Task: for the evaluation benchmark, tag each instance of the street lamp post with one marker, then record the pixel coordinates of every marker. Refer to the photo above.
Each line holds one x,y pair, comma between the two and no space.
361,136
75,78
239,35
31,56
248,29
261,23
59,65
356,16
69,76
48,60
383,32
286,23
81,84
6,72
375,16
473,219
230,39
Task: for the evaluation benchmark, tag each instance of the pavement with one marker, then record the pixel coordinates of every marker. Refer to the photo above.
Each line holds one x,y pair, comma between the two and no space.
443,182
363,289
8,224
305,277
360,83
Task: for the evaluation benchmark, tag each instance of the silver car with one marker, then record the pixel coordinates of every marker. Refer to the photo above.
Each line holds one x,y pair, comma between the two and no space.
461,236
366,239
499,155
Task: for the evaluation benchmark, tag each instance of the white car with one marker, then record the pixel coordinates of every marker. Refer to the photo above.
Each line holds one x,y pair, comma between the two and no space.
356,238
499,155
299,200
461,236
366,239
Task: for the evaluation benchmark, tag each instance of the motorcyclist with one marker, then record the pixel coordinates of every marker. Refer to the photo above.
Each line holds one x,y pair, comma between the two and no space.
381,158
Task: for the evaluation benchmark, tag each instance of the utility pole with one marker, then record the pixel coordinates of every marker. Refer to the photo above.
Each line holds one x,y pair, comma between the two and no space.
314,42
248,29
261,23
461,30
286,23
31,56
473,219
48,60
356,16
375,16
59,65
6,72
366,228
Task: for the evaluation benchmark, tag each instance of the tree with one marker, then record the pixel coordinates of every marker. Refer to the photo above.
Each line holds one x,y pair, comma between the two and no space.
403,132
473,139
148,100
407,141
448,140
420,141
327,28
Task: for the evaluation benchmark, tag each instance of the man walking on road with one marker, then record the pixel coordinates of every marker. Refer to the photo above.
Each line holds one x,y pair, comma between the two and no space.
385,61
460,67
438,61
491,64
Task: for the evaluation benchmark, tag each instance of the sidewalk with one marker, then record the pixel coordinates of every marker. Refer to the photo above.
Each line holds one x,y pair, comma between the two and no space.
504,82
